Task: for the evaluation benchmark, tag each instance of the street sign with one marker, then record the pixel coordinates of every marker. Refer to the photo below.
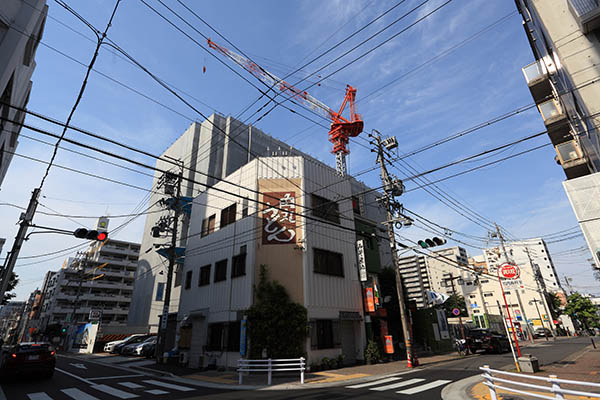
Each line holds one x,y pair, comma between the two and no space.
362,263
455,311
95,315
509,271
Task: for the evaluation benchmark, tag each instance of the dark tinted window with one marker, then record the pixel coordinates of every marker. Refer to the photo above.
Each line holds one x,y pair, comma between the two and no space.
325,209
327,262
221,270
204,278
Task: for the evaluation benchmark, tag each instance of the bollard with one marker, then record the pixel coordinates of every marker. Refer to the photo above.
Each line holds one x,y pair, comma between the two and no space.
302,370
488,378
240,372
593,344
556,388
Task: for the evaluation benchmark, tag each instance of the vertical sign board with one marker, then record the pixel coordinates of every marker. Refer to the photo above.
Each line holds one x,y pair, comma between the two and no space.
369,299
243,331
279,218
389,345
443,324
362,262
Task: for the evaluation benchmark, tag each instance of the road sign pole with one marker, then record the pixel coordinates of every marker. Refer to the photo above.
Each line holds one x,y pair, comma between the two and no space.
508,311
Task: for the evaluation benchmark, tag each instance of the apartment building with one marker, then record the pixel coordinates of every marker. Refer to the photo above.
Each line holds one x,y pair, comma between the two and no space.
210,150
100,279
10,316
315,259
415,279
21,28
563,80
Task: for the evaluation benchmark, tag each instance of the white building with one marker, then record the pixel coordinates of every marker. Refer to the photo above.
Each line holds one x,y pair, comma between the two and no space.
21,28
415,279
210,151
101,280
230,237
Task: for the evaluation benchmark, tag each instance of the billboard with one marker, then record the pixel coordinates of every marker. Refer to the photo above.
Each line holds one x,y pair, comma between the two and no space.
85,337
279,217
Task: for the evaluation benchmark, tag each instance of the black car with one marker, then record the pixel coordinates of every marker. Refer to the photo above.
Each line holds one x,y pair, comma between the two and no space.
28,358
149,350
485,339
130,340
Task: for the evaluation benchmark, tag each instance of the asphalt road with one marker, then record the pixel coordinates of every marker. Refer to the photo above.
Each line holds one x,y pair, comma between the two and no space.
81,380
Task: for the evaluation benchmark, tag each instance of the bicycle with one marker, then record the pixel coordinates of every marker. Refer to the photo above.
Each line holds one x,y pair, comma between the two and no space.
460,345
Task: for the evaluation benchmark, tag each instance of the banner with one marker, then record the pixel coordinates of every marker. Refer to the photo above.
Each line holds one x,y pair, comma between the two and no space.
369,300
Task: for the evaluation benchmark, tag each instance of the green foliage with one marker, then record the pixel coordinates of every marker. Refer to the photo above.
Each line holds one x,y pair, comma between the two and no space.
582,309
554,304
12,283
455,301
275,323
372,354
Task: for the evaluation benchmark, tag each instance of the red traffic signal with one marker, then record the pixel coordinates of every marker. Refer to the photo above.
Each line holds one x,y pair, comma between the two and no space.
83,233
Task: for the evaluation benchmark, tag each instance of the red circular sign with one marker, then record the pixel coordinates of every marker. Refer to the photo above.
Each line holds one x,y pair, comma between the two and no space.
509,271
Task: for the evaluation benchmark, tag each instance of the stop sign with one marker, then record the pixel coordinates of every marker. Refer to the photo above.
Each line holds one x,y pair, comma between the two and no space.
509,271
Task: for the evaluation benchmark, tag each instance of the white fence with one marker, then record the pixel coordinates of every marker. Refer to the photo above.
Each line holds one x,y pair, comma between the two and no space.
269,366
555,391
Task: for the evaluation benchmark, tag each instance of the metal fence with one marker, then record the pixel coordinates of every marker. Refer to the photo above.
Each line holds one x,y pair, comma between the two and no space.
270,365
556,392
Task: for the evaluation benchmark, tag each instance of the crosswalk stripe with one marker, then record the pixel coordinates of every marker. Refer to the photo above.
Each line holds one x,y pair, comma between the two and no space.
169,385
156,391
398,384
115,392
424,387
77,394
373,383
38,396
131,385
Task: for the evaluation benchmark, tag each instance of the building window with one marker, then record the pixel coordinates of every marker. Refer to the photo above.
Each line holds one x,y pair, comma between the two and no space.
238,265
328,263
204,278
356,205
325,334
160,290
208,225
215,337
488,294
484,281
244,208
472,296
325,209
228,215
188,279
221,270
507,292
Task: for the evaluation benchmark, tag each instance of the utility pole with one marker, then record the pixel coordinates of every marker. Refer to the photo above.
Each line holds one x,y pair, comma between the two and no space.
172,185
541,285
394,187
11,258
451,279
568,283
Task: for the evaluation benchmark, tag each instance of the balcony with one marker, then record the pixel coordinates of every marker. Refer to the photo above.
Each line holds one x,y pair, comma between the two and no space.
572,159
586,13
536,76
556,121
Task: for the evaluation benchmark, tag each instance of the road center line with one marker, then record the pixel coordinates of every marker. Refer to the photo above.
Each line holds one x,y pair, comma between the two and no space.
75,376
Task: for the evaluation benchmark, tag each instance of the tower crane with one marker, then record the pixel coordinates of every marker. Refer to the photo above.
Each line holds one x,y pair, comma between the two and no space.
341,129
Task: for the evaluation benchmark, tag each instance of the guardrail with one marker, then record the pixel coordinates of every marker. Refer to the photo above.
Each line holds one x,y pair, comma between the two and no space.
269,366
554,388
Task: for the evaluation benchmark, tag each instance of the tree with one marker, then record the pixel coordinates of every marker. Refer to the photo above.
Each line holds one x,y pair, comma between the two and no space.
582,309
12,283
455,301
275,322
555,305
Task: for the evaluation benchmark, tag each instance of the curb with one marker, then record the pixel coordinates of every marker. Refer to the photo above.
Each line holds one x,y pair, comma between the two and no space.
457,390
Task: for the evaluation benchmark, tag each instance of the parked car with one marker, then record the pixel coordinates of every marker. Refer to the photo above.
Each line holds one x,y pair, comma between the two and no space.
149,351
485,339
137,349
109,347
130,340
36,359
541,332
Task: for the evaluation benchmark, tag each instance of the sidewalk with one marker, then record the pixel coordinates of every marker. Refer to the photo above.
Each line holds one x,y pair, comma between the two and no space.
581,366
281,380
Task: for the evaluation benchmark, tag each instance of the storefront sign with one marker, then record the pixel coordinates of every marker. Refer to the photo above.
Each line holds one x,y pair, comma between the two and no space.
362,263
509,271
279,218
389,345
369,300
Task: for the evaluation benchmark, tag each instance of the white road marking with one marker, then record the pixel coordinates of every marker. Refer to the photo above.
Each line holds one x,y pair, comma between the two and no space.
139,363
424,387
131,385
74,376
156,391
373,383
169,385
77,394
115,392
39,396
78,365
116,377
398,384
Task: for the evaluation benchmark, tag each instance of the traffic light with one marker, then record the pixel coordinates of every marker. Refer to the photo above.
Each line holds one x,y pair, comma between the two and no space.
83,233
434,241
63,330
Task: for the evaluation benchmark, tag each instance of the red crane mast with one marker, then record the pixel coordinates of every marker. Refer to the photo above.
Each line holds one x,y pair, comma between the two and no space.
341,129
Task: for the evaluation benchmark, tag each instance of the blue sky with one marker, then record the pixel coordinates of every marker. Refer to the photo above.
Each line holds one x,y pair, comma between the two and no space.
476,81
